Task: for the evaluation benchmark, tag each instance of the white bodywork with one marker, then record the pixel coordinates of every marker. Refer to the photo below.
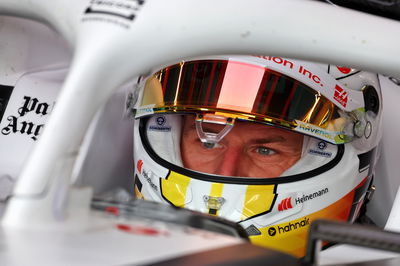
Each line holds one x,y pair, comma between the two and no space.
105,52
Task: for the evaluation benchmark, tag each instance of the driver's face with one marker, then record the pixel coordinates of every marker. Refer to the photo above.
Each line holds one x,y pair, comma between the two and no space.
249,150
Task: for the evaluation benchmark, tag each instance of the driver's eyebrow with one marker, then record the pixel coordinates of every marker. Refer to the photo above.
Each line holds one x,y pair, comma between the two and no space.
268,140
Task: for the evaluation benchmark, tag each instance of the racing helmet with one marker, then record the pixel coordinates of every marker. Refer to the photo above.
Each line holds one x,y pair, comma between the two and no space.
268,142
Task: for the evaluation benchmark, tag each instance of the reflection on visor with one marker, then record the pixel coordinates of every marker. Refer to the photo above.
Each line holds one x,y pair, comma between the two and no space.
244,91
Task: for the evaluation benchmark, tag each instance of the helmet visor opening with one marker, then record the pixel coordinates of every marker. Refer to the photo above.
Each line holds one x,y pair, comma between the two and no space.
249,149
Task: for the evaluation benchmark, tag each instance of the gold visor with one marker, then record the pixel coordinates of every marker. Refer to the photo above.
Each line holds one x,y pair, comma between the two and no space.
243,91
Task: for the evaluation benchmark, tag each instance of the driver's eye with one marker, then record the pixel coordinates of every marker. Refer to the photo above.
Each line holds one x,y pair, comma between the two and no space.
265,151
209,145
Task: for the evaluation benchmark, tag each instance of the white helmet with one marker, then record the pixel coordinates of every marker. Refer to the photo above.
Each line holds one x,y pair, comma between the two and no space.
268,142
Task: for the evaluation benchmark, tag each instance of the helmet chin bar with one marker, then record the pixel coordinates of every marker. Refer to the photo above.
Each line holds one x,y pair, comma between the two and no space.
211,137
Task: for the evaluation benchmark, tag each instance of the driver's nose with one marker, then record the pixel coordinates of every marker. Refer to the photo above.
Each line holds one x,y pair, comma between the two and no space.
230,162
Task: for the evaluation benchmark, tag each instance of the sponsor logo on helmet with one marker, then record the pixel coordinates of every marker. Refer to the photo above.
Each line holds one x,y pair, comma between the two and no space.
139,166
285,204
277,60
148,176
321,153
142,111
160,120
344,70
321,146
285,64
289,203
293,226
314,130
272,231
160,124
340,95
310,196
288,227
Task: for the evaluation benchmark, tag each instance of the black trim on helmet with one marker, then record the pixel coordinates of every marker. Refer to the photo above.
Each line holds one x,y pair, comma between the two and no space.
359,193
234,180
371,99
138,183
365,161
266,212
349,75
162,194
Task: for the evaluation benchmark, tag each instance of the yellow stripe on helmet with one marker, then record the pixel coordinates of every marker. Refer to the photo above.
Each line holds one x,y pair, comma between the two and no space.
174,188
215,200
259,199
216,189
